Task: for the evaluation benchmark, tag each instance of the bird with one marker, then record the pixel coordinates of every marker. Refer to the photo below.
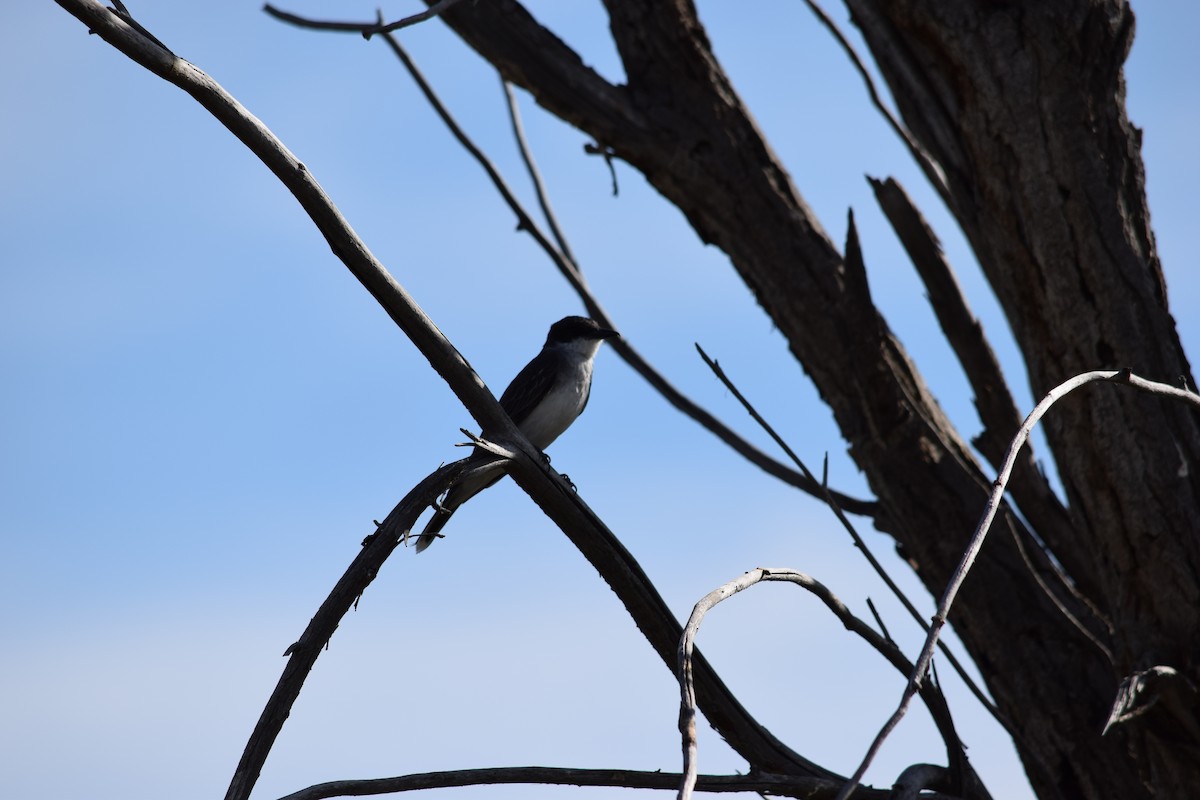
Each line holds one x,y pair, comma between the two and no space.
547,395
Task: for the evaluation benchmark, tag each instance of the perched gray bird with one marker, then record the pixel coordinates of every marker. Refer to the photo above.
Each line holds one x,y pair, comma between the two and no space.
543,400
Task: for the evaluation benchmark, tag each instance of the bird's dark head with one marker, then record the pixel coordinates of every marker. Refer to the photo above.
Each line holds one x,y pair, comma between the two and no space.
578,329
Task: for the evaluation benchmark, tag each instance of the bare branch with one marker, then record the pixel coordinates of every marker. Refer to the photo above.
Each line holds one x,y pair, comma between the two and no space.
687,706
859,542
1044,570
483,444
429,13
367,29
588,534
998,412
535,175
600,102
928,164
608,155
302,654
321,25
570,270
763,783
972,551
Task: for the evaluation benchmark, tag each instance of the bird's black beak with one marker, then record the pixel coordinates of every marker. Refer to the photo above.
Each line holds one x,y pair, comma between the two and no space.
605,333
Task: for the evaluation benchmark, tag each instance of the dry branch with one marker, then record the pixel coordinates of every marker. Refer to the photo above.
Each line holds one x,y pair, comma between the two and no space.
960,771
704,153
859,542
614,563
535,175
763,783
429,13
918,674
569,268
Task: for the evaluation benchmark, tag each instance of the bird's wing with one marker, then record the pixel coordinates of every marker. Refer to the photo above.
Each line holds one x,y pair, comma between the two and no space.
531,385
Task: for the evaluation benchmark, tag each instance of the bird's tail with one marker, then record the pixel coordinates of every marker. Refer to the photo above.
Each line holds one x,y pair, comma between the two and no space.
441,515
479,474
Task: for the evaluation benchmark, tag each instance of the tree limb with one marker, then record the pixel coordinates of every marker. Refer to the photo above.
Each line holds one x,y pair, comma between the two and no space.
593,539
302,654
763,783
569,268
1024,105
977,538
704,152
960,771
859,542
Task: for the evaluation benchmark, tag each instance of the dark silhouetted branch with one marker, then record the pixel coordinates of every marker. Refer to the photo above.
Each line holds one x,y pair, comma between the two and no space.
586,531
932,695
570,270
859,542
775,785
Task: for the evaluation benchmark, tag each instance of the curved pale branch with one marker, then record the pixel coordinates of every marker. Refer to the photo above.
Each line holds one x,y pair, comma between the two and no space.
917,677
936,703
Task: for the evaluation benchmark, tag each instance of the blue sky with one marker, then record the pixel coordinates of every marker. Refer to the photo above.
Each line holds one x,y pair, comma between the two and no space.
202,412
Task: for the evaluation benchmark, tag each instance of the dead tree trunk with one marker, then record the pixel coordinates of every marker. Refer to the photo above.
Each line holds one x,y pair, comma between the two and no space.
1019,109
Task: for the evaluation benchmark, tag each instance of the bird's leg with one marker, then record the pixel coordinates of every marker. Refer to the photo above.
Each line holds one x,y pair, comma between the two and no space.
562,475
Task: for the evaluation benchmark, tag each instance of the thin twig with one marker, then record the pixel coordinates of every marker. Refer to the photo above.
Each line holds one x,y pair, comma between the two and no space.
968,681
321,25
1037,570
879,620
931,694
571,272
972,551
574,276
931,167
584,529
429,13
366,29
535,176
